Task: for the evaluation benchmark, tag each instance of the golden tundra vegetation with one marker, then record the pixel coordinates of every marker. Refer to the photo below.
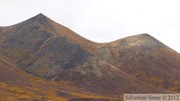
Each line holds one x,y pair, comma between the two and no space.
41,60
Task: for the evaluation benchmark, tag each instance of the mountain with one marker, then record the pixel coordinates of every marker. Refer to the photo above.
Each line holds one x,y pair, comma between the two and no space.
38,40
145,58
57,56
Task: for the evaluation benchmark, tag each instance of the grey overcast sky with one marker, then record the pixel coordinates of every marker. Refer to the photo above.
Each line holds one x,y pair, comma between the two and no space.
103,20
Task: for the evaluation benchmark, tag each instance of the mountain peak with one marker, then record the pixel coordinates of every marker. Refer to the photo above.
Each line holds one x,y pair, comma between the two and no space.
40,15
141,40
41,18
143,35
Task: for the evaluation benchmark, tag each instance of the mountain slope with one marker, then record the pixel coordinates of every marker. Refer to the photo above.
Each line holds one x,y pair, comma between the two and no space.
17,85
48,50
146,58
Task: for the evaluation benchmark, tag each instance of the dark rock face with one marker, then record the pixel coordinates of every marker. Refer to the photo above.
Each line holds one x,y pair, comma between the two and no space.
58,55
